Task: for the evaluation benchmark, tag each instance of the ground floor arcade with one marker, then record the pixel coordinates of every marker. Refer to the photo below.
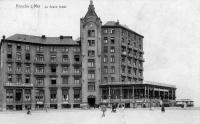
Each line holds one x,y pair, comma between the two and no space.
138,95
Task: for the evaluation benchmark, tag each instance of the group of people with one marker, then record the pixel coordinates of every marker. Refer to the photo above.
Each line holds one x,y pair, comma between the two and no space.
113,109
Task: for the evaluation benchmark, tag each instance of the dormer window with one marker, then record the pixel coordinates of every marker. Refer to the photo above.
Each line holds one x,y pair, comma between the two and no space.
91,33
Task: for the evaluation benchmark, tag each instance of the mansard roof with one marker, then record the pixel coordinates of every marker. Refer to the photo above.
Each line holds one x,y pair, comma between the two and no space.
118,25
62,40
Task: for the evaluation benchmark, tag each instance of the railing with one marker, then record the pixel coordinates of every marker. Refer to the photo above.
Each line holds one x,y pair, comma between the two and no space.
19,84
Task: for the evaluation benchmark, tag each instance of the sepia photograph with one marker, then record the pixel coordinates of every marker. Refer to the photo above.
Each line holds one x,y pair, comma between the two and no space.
99,62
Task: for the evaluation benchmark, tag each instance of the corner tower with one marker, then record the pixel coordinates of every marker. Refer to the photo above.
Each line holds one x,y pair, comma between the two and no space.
90,36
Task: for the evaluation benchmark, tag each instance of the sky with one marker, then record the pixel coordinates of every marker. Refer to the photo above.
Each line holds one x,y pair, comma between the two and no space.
171,30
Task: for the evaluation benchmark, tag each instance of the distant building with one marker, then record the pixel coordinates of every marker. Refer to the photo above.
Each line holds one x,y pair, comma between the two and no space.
104,66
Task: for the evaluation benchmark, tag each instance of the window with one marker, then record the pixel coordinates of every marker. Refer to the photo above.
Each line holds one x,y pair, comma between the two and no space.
27,68
105,49
18,67
105,59
65,49
123,78
112,31
112,40
77,70
27,48
129,79
19,79
77,94
135,62
140,73
18,47
135,72
39,81
53,49
27,56
65,69
91,74
9,55
112,79
140,46
91,63
134,44
53,93
76,58
91,86
105,39
27,79
65,95
123,69
53,58
39,58
65,79
39,95
9,95
27,94
91,53
76,81
91,33
39,49
9,67
9,78
9,46
39,69
105,31
53,80
105,69
112,69
112,59
19,57
65,58
53,69
112,49
91,43
129,70
105,79
77,50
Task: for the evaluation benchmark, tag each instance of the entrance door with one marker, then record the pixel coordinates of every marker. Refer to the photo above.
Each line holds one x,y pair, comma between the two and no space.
18,96
91,102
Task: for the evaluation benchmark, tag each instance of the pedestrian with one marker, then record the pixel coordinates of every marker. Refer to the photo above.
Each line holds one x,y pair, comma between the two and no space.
113,108
103,109
28,111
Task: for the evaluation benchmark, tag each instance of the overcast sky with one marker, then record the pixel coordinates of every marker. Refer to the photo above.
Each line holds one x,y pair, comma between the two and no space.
171,30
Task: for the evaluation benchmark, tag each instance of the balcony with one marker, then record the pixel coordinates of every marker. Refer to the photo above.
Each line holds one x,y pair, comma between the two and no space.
67,62
77,100
130,54
39,85
141,68
39,62
76,73
53,85
124,53
141,58
39,73
129,64
124,44
10,60
18,84
77,63
53,100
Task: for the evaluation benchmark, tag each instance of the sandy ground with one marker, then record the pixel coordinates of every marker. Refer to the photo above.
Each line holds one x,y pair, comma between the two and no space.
93,116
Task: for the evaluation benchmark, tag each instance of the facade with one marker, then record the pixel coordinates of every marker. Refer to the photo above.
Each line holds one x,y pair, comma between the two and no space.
104,66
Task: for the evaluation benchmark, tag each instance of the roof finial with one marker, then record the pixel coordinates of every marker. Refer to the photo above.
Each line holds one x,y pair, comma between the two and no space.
91,2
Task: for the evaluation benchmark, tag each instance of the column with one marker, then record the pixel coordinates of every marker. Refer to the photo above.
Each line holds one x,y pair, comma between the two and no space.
120,93
23,101
109,94
33,99
133,98
59,97
145,92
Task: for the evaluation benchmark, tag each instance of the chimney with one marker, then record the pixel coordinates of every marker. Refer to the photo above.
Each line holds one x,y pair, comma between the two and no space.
4,37
117,23
61,37
43,36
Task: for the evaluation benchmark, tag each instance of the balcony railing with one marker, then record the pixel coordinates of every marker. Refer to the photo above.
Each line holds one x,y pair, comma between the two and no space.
18,84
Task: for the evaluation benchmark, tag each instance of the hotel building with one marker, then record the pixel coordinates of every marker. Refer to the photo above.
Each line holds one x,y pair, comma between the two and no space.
104,66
